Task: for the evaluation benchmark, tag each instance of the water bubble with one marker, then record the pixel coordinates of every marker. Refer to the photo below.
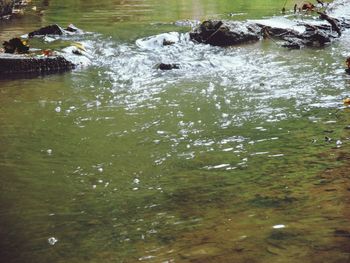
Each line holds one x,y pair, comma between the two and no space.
52,241
136,181
49,151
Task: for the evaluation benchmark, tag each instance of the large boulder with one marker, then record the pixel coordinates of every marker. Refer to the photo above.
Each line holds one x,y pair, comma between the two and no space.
226,33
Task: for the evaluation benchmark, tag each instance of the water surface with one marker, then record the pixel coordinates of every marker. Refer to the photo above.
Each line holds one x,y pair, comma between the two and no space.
222,160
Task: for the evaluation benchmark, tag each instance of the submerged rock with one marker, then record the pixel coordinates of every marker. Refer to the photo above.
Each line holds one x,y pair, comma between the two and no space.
226,33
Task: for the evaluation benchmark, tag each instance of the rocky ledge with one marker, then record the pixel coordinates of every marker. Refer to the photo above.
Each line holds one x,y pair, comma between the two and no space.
292,33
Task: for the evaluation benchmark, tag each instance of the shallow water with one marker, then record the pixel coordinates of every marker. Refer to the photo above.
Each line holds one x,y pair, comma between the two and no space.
221,160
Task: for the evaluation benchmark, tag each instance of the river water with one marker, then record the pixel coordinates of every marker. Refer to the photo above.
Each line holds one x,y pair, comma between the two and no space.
218,161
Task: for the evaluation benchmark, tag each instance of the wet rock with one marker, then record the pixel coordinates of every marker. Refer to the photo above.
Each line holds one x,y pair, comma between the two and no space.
73,29
10,64
163,66
226,33
295,34
15,45
168,42
332,21
48,30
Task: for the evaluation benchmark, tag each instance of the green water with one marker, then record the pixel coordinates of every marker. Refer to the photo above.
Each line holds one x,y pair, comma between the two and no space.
118,162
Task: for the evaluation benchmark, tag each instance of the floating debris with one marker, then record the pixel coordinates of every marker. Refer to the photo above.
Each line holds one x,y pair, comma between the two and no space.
52,241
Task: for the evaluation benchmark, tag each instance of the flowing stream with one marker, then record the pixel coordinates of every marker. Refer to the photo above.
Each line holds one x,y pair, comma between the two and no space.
221,160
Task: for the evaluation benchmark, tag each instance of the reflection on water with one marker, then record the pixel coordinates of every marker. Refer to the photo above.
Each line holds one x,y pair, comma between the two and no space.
234,157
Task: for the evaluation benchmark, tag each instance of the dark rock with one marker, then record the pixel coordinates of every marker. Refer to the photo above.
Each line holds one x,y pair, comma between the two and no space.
315,37
48,30
15,45
25,64
268,31
228,33
163,66
73,29
168,42
293,43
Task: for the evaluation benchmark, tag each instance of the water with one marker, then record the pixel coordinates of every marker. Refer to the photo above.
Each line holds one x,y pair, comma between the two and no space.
222,160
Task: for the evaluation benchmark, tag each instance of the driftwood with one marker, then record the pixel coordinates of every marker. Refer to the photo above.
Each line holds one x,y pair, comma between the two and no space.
332,21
